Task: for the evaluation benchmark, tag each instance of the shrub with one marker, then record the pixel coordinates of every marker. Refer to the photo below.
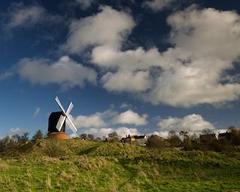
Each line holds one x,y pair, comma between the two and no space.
113,137
154,141
85,136
4,143
55,148
173,139
235,136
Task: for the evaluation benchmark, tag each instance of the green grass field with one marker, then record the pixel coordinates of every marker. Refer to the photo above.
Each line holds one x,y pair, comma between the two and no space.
77,165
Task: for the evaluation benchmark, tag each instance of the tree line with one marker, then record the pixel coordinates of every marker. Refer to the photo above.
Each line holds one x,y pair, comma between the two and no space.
182,140
228,141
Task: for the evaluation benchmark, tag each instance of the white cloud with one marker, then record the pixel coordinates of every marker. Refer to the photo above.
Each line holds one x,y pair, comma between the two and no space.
157,5
110,118
123,131
101,124
205,45
85,3
108,27
36,112
65,72
103,132
22,16
191,85
201,32
126,81
97,132
132,66
163,134
138,59
130,117
16,131
194,124
95,120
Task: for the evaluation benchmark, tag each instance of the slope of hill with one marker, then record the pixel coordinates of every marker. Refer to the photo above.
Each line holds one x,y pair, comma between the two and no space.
77,165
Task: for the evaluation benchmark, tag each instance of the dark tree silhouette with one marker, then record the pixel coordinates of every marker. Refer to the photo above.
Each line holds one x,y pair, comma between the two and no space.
38,135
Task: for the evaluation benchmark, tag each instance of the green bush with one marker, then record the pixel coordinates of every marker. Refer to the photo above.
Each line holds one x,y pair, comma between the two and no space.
154,141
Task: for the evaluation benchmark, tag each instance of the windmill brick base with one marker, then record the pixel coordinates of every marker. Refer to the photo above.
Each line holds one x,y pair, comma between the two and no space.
58,135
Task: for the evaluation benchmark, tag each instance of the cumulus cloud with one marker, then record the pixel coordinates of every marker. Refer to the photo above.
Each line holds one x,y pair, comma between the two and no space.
137,59
163,134
65,72
110,118
131,117
193,71
200,32
108,27
22,16
197,83
126,81
123,131
157,5
205,45
103,132
94,120
101,124
133,68
193,124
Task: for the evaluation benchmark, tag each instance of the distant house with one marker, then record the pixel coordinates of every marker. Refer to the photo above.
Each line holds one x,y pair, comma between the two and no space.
207,138
225,137
135,140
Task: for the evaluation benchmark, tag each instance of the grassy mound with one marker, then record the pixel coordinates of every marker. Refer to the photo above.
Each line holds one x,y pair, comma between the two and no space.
78,165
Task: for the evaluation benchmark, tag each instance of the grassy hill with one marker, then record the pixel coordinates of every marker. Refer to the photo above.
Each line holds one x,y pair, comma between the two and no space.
77,165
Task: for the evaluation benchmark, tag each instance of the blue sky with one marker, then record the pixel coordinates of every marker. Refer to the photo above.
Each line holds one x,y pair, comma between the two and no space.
131,66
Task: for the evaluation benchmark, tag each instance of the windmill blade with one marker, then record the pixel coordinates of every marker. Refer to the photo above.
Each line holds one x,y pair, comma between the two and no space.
69,108
60,122
59,104
71,125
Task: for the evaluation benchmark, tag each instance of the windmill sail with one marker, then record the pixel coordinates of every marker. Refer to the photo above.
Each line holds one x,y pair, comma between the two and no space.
65,116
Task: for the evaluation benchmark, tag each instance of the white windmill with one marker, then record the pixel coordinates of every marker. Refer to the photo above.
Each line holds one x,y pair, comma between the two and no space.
57,121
